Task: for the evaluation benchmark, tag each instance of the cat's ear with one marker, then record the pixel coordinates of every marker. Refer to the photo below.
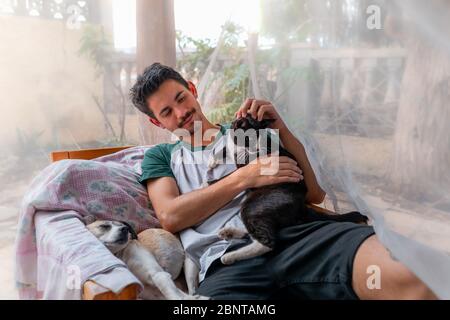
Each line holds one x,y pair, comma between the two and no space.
241,123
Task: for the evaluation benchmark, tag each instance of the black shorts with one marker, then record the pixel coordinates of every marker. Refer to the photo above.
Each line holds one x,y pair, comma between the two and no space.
311,261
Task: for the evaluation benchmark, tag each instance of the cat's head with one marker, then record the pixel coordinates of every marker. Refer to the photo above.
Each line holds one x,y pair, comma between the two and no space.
248,122
249,143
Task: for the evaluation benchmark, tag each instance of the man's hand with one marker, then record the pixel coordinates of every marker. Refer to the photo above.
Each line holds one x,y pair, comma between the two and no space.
261,109
255,174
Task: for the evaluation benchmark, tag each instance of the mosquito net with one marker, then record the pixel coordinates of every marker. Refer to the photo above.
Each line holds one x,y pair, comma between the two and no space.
365,85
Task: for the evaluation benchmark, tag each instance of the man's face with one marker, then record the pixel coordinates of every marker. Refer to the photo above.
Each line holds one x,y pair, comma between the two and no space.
175,106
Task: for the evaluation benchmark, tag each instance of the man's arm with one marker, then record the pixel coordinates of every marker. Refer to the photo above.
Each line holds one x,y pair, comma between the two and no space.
177,212
315,193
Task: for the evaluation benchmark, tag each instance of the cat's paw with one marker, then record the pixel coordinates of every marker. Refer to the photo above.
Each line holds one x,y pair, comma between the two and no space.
229,233
226,233
227,259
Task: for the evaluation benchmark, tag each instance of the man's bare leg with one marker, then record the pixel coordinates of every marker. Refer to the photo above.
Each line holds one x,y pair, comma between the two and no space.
397,282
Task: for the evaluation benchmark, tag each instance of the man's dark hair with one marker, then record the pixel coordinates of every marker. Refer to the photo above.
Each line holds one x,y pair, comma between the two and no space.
148,83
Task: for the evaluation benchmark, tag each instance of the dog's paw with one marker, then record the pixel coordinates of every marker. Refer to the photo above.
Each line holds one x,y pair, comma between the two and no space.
227,259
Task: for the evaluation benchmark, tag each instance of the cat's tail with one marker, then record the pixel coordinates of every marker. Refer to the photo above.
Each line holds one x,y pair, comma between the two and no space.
353,216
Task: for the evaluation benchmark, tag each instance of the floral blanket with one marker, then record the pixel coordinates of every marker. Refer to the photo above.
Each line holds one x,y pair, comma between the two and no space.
104,188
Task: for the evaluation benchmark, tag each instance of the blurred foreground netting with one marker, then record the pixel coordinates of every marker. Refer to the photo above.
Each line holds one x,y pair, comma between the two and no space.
363,84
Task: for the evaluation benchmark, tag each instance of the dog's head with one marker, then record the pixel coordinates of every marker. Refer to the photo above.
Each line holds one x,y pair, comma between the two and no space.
115,235
248,141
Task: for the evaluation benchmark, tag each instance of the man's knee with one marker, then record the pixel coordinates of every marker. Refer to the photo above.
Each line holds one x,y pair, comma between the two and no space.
410,287
376,275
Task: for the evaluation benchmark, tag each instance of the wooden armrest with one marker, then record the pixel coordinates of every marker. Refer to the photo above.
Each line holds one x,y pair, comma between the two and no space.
85,154
90,292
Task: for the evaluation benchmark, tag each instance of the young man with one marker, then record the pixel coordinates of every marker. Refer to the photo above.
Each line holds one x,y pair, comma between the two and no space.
319,260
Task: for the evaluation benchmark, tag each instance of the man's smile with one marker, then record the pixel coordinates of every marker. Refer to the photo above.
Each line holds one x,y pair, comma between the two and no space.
188,120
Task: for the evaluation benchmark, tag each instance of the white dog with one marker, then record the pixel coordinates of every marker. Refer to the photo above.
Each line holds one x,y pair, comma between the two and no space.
122,241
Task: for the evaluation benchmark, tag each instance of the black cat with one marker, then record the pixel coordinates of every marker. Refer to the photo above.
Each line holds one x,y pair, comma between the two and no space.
268,209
